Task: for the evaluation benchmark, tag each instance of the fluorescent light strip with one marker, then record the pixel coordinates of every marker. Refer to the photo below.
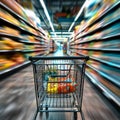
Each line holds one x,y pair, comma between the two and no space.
51,26
71,26
59,38
77,16
62,32
80,11
47,15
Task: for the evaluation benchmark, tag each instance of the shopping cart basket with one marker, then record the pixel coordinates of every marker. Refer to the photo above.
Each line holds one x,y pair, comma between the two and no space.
59,83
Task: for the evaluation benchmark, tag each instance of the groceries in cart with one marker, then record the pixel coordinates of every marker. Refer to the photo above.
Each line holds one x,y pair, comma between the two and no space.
54,83
48,72
63,88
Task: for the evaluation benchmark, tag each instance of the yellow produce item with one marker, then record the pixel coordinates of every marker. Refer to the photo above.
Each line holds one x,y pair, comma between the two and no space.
52,87
52,79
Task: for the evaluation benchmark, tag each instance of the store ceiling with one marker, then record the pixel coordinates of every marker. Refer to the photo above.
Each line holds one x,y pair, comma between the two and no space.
62,13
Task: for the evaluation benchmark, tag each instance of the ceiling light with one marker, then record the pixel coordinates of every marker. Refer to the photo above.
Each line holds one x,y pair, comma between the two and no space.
47,15
62,32
77,16
71,26
80,11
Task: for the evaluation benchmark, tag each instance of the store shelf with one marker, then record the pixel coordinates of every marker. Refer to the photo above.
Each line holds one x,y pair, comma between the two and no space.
14,68
110,95
96,49
109,10
99,28
23,31
41,39
106,62
109,63
26,33
106,76
103,74
102,60
116,20
20,39
21,51
16,38
41,47
42,53
117,36
100,39
107,92
10,51
31,51
31,43
18,17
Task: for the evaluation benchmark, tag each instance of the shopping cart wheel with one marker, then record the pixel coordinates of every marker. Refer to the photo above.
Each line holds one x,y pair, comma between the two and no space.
41,113
46,107
75,115
73,103
47,113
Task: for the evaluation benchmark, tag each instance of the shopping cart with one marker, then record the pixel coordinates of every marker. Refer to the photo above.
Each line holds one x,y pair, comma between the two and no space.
59,83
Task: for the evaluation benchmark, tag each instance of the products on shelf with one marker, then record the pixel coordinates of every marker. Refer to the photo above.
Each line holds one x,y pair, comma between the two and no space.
10,60
13,5
107,84
5,63
20,32
5,15
18,58
112,30
8,30
91,8
111,16
96,8
99,39
9,44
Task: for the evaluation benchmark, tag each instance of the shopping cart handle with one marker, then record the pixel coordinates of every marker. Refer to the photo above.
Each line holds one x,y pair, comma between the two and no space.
58,57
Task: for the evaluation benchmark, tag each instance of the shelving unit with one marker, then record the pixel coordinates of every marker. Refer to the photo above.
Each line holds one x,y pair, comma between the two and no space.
100,40
22,30
53,46
97,29
117,36
33,40
13,69
107,92
101,16
19,17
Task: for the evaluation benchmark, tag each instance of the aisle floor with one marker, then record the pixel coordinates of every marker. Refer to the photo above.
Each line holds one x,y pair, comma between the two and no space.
17,100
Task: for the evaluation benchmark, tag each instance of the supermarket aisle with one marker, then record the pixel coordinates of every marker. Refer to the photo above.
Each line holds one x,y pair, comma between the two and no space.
17,100
59,52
